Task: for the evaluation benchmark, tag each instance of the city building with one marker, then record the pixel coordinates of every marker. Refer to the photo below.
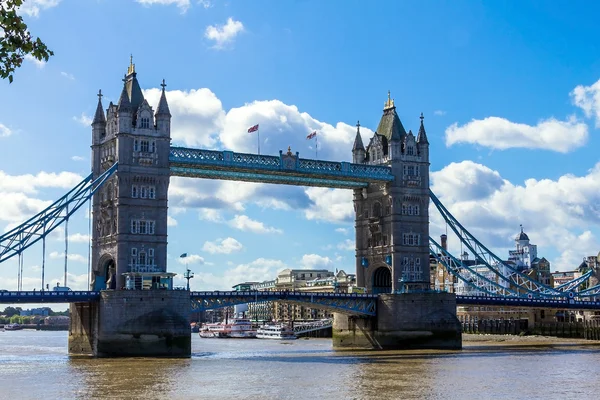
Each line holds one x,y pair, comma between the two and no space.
42,312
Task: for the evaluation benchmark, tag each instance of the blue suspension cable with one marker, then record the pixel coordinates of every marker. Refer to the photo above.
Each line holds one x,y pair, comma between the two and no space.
66,244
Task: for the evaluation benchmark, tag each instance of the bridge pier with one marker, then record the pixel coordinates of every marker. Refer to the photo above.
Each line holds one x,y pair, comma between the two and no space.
132,323
424,320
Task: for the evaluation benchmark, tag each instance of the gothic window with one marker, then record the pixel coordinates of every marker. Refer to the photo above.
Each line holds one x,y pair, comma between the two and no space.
145,123
134,191
151,192
410,150
416,209
142,229
133,256
151,257
410,210
142,258
136,145
153,147
376,210
144,192
145,146
410,239
134,226
150,227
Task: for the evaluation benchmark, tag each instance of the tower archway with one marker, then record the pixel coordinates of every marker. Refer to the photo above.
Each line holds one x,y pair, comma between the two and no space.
382,280
102,276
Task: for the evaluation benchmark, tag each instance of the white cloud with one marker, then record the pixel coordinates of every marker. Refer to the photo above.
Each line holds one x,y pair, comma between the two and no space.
30,183
588,99
557,214
17,207
502,134
222,246
208,214
71,257
67,75
245,223
315,261
347,244
83,119
329,204
171,221
343,231
33,7
191,259
79,238
78,158
439,113
35,61
223,34
182,4
4,131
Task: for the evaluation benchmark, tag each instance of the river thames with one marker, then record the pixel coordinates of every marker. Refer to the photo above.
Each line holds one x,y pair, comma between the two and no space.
35,365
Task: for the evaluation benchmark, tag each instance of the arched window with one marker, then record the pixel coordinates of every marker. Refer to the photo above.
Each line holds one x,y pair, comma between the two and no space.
410,150
376,210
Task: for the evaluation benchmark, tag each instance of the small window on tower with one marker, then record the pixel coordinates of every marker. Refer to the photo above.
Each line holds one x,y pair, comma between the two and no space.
134,191
153,147
145,146
145,123
136,145
410,150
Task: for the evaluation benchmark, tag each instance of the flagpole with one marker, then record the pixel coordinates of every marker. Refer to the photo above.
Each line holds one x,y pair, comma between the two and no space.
317,146
258,140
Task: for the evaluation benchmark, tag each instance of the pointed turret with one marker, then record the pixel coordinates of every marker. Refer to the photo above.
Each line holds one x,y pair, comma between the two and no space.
422,136
124,105
390,125
358,150
99,116
163,114
132,86
163,106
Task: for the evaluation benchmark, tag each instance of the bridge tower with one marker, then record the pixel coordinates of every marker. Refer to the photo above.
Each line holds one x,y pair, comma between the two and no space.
392,248
138,313
129,234
392,220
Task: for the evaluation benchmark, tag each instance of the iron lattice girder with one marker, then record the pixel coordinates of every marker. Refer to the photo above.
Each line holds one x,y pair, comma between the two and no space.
48,297
284,169
490,260
560,303
43,223
575,283
346,303
457,268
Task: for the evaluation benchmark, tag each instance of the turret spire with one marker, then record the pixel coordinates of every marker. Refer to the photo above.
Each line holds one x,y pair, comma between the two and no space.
99,116
422,136
389,104
163,106
124,104
358,143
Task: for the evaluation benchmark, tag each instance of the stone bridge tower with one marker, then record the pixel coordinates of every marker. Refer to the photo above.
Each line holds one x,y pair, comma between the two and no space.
392,220
129,226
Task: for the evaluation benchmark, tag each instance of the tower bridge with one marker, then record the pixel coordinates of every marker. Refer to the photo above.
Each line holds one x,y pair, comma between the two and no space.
132,162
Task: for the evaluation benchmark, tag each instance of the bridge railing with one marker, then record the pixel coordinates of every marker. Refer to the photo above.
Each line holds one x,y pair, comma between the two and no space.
284,163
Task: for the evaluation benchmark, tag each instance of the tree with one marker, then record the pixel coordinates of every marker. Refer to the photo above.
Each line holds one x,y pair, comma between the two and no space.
16,41
10,311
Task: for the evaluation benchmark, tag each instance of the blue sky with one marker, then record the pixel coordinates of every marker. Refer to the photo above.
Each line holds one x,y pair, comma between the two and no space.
510,93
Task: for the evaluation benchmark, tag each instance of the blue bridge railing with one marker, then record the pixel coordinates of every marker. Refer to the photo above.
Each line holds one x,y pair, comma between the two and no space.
287,168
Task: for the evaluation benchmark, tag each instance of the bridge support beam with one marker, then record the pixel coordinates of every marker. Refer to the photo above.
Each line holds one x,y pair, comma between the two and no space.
132,323
403,321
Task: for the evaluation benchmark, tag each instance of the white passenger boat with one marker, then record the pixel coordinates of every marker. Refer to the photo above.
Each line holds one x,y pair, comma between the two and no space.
279,332
239,328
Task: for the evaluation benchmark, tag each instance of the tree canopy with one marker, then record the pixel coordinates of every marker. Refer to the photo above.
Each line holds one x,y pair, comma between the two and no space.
15,40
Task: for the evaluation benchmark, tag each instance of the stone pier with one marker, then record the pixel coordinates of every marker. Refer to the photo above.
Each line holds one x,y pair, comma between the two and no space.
132,323
403,321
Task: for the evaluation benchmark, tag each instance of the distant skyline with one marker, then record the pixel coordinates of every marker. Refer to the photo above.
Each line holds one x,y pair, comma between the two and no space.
510,92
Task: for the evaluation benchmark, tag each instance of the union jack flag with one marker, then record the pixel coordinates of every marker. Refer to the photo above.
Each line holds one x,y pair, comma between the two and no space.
253,128
311,135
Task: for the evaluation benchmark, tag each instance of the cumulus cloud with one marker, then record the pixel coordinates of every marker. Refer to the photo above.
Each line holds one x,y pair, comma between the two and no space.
191,259
500,133
78,158
245,223
31,183
79,238
315,261
35,61
588,99
171,221
330,205
33,7
557,214
182,4
222,35
67,75
347,244
83,119
343,231
222,246
4,131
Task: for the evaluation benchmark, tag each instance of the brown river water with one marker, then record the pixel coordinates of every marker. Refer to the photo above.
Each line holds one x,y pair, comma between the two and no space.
35,365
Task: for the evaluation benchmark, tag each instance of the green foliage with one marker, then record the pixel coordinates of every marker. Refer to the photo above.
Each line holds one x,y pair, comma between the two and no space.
10,311
17,41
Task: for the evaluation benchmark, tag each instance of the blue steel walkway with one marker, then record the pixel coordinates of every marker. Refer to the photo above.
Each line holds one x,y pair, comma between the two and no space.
287,168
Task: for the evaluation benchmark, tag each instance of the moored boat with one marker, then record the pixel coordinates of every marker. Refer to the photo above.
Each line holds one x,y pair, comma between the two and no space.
12,327
278,331
238,328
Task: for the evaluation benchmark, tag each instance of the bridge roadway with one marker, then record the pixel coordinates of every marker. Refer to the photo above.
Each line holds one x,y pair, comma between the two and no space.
350,303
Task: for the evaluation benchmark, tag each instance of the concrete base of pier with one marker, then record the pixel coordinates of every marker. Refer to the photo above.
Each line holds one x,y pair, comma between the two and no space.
132,323
403,321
